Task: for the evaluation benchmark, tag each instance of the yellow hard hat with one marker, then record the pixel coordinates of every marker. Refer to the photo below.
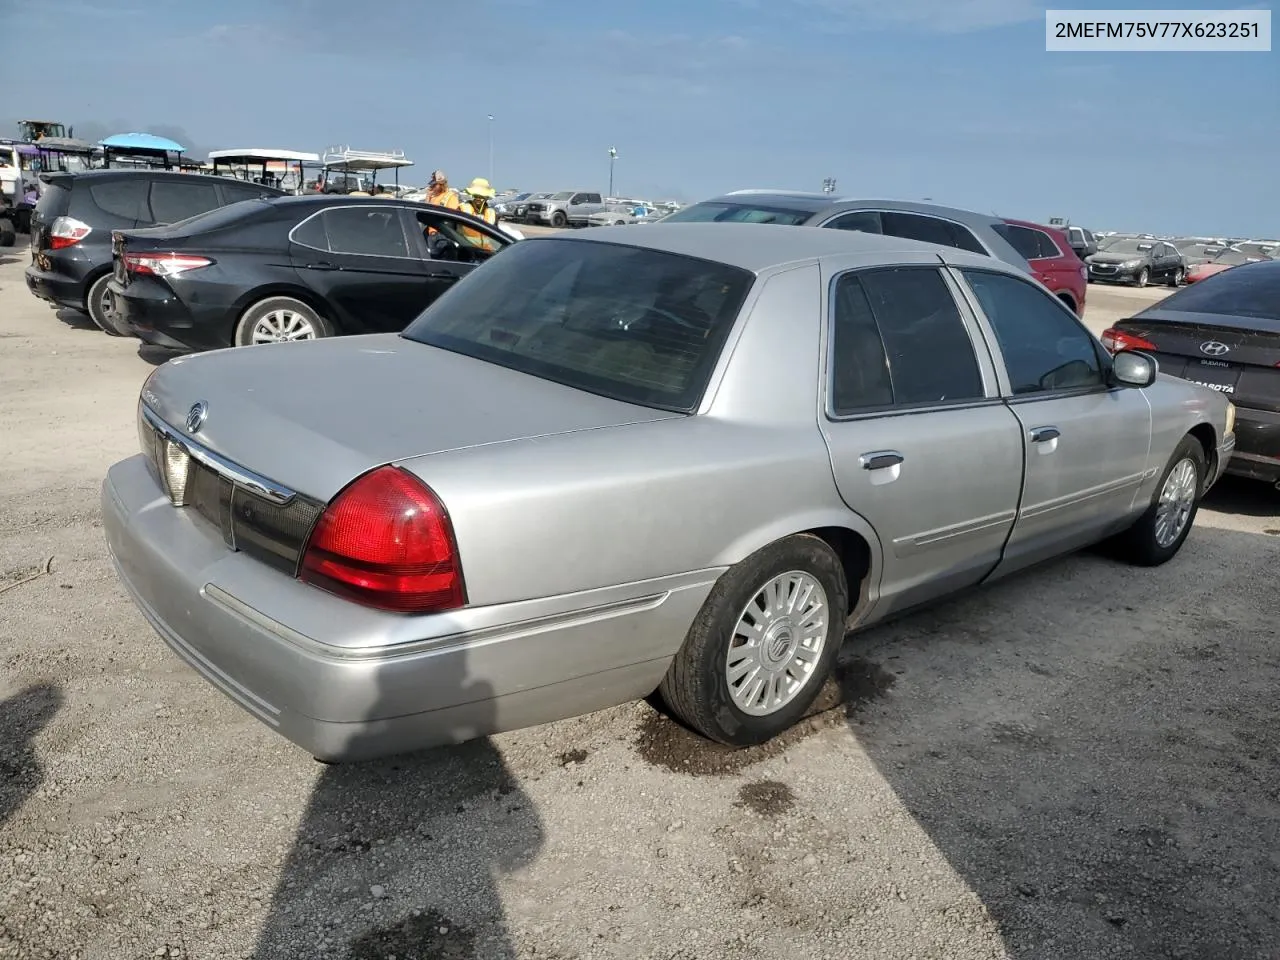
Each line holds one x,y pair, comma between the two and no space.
479,187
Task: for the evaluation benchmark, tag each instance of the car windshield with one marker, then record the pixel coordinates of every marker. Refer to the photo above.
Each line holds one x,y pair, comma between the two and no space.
1244,291
1130,246
636,325
563,195
720,212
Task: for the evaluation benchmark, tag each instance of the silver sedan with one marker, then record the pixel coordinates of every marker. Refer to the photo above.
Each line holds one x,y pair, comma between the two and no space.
687,458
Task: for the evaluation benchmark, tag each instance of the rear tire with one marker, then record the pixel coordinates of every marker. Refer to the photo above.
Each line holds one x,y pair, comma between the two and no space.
1176,279
787,604
96,305
8,235
1160,532
280,320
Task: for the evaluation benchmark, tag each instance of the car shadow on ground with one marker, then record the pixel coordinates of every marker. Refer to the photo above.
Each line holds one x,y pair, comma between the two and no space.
1244,497
1110,785
22,717
76,320
158,356
431,835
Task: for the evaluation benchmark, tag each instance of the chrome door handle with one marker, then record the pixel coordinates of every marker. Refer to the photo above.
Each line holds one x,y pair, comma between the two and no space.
880,459
1045,434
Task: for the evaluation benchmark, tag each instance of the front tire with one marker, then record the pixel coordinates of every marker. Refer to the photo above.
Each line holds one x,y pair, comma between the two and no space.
280,320
1160,532
8,235
763,644
558,220
1141,279
97,305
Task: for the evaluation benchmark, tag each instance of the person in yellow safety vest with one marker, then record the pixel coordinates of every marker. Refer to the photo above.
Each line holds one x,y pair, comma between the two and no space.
480,193
438,191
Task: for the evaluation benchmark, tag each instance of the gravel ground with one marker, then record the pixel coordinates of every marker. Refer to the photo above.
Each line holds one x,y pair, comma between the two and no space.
1083,762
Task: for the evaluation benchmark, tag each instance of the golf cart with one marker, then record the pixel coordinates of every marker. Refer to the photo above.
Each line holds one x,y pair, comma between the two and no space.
356,171
284,169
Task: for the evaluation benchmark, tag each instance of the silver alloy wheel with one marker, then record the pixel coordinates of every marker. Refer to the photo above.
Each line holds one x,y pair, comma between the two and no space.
777,643
104,301
1176,500
282,325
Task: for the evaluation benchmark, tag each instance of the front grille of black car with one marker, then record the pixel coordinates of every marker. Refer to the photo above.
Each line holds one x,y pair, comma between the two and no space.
272,532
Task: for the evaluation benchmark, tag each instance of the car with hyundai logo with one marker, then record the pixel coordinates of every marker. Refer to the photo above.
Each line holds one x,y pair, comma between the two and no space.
1223,333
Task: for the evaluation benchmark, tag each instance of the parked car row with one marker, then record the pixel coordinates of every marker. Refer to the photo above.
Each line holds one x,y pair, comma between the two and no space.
1139,259
432,552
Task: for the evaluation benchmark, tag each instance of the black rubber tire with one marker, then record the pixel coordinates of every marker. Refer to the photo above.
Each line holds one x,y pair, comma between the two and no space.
1138,545
244,328
1176,279
1143,275
8,235
93,304
695,688
558,219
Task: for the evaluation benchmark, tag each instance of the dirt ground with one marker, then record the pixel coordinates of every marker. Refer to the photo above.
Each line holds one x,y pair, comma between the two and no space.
1082,762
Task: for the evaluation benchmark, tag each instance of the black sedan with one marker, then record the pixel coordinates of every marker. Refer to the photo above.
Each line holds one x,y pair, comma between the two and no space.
1223,333
1139,262
294,268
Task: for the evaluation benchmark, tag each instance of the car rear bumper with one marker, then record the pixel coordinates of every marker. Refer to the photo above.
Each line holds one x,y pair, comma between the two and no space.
1257,452
320,671
57,290
154,315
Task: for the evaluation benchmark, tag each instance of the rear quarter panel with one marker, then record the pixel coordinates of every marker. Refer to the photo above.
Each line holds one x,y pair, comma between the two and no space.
1177,407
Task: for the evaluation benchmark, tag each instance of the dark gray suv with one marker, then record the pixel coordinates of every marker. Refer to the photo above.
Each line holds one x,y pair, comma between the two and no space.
929,222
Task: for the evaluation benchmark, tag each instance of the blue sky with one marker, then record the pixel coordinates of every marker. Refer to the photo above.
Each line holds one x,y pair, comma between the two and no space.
955,100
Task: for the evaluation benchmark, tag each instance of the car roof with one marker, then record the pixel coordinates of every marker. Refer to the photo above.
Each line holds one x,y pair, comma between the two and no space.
819,202
747,246
93,176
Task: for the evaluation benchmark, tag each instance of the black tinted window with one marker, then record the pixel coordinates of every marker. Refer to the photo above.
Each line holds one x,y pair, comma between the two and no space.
366,230
637,325
1044,347
121,198
927,350
173,200
862,221
738,213
963,238
311,233
1243,291
915,227
232,192
859,368
1026,242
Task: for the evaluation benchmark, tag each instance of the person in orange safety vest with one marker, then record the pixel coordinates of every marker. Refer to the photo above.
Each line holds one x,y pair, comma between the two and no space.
479,193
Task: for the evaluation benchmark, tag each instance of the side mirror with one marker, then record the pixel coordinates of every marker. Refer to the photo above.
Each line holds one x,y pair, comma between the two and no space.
1129,368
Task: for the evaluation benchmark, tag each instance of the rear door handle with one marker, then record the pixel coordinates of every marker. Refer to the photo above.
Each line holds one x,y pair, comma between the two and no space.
1045,434
880,459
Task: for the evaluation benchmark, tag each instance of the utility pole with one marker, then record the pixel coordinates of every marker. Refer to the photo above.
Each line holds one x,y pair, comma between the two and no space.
491,149
613,155
829,185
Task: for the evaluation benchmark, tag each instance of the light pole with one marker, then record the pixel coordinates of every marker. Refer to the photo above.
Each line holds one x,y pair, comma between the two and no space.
613,155
491,149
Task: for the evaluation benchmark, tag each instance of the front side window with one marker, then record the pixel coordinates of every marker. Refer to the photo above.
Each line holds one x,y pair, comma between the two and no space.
174,200
861,221
1045,348
448,239
636,325
366,231
899,339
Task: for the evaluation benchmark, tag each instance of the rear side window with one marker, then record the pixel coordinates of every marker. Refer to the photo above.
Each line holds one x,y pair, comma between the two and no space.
125,198
174,200
637,325
1242,291
738,213
1032,244
914,226
365,231
233,192
861,221
899,339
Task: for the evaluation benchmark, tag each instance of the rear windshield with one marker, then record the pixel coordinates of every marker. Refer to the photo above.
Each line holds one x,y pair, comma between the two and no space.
219,217
738,213
1251,290
55,200
636,325
1130,246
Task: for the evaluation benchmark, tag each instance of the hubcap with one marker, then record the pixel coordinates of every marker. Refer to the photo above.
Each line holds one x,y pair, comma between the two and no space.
1176,500
777,643
283,325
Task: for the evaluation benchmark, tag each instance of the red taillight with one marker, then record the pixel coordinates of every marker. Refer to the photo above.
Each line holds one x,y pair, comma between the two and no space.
67,232
386,541
1115,340
163,264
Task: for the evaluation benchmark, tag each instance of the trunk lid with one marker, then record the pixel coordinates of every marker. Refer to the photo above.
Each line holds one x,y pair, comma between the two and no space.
1237,356
314,415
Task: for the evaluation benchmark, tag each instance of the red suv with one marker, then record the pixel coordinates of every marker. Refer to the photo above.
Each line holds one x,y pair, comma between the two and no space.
1052,260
